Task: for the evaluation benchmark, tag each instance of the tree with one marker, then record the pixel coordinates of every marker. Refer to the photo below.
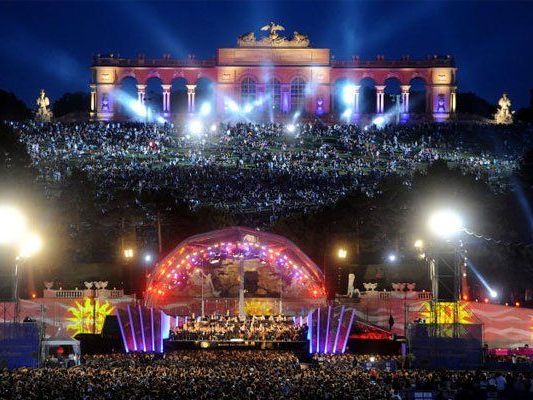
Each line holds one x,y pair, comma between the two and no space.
526,114
75,104
471,103
12,108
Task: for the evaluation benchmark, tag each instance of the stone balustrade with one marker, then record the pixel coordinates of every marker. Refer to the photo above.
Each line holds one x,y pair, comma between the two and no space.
81,293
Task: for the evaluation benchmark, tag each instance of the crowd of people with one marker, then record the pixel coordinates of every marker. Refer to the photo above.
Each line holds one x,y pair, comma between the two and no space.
221,328
268,168
251,374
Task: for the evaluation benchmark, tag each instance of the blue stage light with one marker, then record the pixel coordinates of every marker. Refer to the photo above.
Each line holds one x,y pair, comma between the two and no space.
205,108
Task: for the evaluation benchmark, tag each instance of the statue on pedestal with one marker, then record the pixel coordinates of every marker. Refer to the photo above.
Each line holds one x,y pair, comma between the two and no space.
43,113
504,115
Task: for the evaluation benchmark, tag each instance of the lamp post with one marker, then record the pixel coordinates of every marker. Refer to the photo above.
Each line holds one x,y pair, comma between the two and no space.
14,231
148,258
342,254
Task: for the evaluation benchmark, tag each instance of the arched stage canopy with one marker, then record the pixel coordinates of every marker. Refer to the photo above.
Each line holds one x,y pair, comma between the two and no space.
224,261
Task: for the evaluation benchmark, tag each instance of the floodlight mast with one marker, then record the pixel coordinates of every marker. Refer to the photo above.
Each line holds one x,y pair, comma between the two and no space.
444,262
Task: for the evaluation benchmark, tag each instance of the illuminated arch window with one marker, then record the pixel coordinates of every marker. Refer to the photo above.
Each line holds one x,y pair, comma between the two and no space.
297,94
247,90
273,90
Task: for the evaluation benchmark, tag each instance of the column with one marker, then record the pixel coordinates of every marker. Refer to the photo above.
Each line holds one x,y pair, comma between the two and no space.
190,98
405,98
141,92
92,113
453,99
166,100
356,93
380,98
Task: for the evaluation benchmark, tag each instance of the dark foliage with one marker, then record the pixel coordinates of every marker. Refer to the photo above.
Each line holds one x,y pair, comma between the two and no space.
71,103
12,108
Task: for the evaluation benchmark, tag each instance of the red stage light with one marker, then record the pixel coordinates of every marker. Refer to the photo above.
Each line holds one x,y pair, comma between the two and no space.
517,304
486,300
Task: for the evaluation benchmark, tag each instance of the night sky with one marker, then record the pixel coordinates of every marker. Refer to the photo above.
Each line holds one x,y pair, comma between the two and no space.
50,44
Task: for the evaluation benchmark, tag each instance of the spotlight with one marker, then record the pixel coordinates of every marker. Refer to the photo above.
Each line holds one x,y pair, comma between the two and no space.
30,245
148,258
493,293
196,127
372,359
348,94
379,121
213,128
232,106
392,257
346,114
290,128
248,108
342,253
205,108
160,119
419,244
138,108
445,223
12,225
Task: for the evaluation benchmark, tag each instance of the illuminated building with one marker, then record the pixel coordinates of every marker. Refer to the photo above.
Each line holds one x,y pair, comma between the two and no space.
276,75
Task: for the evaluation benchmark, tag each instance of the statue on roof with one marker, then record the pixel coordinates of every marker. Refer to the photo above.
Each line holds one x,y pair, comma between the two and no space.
273,30
274,39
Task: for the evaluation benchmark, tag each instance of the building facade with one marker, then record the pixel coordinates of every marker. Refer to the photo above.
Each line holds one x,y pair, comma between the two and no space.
284,74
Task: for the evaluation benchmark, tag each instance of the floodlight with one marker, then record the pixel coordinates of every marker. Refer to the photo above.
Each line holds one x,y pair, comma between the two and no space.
128,253
30,245
445,223
379,121
205,108
138,108
346,113
348,94
248,108
342,253
12,225
232,106
195,127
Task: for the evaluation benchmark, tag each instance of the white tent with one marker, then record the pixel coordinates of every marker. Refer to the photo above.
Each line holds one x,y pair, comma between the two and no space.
60,339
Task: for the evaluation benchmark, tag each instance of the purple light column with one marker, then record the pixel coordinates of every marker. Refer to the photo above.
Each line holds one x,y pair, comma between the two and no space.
142,327
153,330
335,350
327,331
132,329
122,332
348,331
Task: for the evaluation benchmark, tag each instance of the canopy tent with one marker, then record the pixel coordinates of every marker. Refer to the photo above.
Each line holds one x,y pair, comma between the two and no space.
60,339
